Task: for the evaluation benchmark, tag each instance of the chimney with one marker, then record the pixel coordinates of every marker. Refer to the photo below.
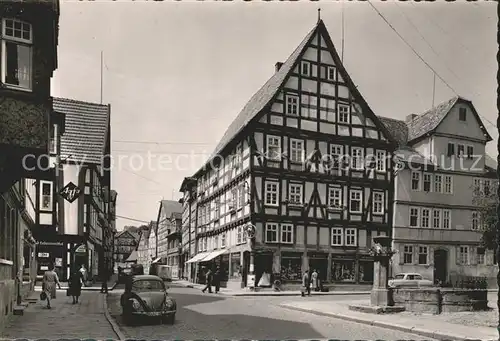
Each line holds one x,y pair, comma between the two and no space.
278,66
410,118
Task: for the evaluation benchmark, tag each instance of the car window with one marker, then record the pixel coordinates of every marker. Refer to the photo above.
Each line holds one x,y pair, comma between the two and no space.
399,277
418,277
411,277
148,285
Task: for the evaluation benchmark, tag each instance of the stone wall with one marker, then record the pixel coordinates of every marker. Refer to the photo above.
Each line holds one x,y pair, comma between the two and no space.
436,301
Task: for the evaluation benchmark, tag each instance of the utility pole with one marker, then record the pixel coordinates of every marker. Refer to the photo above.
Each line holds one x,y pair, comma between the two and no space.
101,73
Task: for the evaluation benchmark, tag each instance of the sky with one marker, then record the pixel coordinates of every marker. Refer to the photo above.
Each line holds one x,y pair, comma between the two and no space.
177,73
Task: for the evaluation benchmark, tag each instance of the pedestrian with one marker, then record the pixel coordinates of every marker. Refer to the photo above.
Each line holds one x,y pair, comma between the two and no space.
50,280
208,280
84,274
217,278
314,280
75,285
306,284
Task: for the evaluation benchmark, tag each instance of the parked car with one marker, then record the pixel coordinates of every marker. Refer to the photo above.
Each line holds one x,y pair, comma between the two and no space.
411,280
146,297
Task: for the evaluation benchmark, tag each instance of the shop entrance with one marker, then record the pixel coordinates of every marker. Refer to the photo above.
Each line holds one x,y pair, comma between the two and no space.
320,265
263,265
80,257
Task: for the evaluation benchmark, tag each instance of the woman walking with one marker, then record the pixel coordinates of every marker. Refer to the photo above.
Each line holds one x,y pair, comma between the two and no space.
75,285
50,280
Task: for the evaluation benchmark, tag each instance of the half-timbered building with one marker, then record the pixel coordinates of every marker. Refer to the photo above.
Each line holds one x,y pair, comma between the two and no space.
307,165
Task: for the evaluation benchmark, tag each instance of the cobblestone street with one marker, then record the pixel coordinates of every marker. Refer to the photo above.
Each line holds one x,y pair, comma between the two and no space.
211,316
64,320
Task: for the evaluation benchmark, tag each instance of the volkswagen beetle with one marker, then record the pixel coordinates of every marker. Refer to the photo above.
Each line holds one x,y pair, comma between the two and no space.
146,296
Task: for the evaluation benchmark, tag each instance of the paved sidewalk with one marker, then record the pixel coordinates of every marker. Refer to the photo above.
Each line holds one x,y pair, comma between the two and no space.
424,325
64,321
247,292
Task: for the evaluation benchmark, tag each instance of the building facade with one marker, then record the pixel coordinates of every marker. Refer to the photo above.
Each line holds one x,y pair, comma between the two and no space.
153,250
174,245
437,228
188,227
164,223
125,244
75,205
143,252
301,179
28,50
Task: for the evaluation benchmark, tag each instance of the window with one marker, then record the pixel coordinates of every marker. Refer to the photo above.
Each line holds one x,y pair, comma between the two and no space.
480,256
337,236
486,187
271,233
438,183
271,193
46,196
336,152
414,213
436,218
343,111
427,182
463,255
216,242
408,254
462,114
446,219
335,197
423,255
475,221
239,235
217,208
425,217
461,151
306,68
205,244
273,148
330,73
357,158
292,103
448,184
53,139
350,237
470,152
287,233
241,196
234,199
451,149
355,201
415,181
378,203
296,150
380,160
295,194
223,240
16,64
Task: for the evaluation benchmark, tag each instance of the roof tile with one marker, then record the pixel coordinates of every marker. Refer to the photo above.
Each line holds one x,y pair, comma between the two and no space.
86,128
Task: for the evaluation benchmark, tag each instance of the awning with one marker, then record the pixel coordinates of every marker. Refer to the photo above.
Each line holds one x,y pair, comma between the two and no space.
156,260
213,255
198,257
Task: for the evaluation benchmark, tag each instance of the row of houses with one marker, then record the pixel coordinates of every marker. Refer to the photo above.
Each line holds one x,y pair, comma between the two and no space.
307,174
56,202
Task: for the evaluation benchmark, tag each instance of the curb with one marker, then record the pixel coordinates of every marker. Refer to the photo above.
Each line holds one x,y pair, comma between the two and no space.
418,331
112,322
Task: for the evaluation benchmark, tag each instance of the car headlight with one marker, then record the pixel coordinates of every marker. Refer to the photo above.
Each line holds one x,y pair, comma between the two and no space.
136,305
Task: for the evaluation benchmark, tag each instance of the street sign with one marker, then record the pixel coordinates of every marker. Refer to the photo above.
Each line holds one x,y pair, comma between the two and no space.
70,192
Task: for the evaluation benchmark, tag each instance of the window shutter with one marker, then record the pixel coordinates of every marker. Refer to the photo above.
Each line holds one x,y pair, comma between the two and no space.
457,260
401,254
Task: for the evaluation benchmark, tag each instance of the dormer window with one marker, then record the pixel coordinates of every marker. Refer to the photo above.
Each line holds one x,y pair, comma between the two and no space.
305,68
16,53
462,114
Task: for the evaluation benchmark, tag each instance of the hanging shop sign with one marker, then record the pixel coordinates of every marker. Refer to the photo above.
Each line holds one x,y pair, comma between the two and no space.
81,249
250,230
70,192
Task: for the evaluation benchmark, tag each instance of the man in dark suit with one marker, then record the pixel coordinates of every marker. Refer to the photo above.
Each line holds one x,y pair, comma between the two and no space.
209,279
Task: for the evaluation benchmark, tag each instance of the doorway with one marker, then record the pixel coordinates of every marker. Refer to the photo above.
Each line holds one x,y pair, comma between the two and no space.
263,263
440,266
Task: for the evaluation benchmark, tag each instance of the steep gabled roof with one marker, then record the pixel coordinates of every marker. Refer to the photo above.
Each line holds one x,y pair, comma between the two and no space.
123,234
267,93
428,122
397,128
169,206
85,130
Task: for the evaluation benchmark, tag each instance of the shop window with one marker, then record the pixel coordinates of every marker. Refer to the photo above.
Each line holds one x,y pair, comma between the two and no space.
291,268
343,271
235,265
